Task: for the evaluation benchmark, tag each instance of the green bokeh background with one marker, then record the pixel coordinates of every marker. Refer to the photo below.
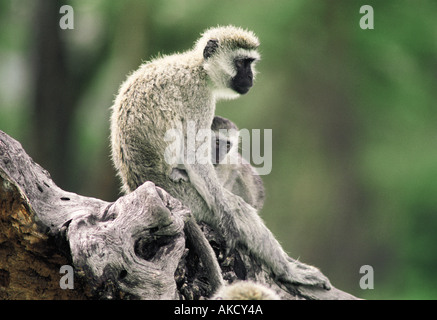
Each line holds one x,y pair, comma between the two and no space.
353,114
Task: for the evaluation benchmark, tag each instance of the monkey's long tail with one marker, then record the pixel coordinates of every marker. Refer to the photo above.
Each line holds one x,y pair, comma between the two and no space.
206,254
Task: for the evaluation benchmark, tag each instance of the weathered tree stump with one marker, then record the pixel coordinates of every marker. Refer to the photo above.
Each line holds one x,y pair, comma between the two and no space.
133,248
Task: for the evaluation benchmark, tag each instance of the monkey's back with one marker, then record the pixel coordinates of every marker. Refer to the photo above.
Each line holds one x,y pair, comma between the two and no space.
162,94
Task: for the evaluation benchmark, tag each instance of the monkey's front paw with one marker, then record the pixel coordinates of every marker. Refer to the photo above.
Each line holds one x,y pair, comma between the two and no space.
303,274
178,175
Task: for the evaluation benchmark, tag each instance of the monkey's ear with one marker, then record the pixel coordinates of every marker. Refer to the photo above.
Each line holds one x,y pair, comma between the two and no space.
210,48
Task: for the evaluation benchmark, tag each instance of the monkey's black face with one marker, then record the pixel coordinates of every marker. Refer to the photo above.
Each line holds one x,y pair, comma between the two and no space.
222,148
243,80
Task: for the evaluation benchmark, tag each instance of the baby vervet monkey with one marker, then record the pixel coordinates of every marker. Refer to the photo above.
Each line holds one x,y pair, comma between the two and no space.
233,171
166,94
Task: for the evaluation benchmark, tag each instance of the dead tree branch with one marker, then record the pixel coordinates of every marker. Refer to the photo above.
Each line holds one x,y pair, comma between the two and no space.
133,248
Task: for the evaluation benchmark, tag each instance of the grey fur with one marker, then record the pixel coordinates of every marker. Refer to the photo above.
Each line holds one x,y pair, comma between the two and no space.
246,290
164,94
240,177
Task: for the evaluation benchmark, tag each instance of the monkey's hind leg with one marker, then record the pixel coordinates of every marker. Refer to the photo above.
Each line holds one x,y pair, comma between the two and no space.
308,275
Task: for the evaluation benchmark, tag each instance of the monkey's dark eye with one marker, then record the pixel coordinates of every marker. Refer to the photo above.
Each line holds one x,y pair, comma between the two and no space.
243,63
239,63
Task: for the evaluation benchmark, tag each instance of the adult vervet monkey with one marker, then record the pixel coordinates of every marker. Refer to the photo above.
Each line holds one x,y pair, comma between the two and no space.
166,94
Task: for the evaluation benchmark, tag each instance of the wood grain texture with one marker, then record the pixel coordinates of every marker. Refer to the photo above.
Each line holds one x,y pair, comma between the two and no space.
133,248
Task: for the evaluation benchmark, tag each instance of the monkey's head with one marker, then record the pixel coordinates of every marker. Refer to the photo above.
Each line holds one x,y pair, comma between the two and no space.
224,140
230,54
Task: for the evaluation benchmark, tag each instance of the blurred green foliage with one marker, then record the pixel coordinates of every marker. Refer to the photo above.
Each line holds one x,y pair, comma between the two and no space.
353,113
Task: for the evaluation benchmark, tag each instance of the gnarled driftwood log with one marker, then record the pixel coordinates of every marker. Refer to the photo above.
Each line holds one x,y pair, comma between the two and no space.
133,248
